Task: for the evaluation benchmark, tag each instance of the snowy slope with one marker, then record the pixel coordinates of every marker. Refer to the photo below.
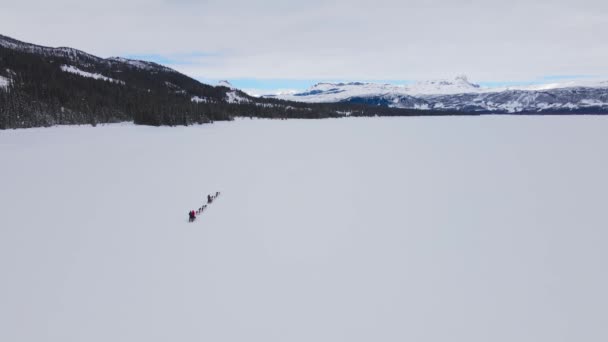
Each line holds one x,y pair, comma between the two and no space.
335,92
586,100
404,229
462,95
75,70
236,96
561,85
459,85
226,84
4,82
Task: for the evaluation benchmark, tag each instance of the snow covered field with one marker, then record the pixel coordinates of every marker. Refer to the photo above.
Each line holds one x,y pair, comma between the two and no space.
472,229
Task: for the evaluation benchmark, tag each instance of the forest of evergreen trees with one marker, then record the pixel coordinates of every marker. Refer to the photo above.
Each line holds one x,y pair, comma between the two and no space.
40,93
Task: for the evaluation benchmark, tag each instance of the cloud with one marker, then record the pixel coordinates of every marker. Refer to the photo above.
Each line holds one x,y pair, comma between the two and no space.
565,77
488,40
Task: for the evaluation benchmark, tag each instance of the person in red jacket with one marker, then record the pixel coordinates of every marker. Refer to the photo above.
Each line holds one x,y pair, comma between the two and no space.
192,215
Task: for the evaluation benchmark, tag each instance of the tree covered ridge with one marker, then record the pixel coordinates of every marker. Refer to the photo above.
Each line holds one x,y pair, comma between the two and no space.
41,93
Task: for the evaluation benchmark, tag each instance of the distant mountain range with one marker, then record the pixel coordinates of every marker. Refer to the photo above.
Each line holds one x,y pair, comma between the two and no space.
463,96
44,86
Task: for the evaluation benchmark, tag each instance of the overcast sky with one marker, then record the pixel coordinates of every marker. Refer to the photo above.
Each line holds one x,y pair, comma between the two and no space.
283,43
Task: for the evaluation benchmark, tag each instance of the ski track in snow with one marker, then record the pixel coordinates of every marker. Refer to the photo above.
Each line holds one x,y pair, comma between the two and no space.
391,229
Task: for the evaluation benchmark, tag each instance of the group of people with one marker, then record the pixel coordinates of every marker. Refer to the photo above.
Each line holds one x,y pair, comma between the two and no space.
193,213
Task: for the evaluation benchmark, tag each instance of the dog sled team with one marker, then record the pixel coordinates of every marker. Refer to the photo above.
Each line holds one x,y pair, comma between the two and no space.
193,213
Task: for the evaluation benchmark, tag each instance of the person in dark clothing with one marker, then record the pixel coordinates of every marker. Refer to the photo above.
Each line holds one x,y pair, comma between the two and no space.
192,215
209,199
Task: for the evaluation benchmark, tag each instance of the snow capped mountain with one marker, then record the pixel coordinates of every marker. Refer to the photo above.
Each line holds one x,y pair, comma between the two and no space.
581,99
336,92
65,68
459,85
461,95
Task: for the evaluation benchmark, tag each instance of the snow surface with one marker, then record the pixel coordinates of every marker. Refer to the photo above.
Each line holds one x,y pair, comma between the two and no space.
75,70
268,93
4,82
234,97
452,229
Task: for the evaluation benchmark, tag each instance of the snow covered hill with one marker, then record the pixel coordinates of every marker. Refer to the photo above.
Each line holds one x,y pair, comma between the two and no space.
77,56
4,82
333,92
461,95
476,229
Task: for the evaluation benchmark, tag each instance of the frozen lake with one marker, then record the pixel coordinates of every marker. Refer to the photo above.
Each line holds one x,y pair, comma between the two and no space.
468,229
